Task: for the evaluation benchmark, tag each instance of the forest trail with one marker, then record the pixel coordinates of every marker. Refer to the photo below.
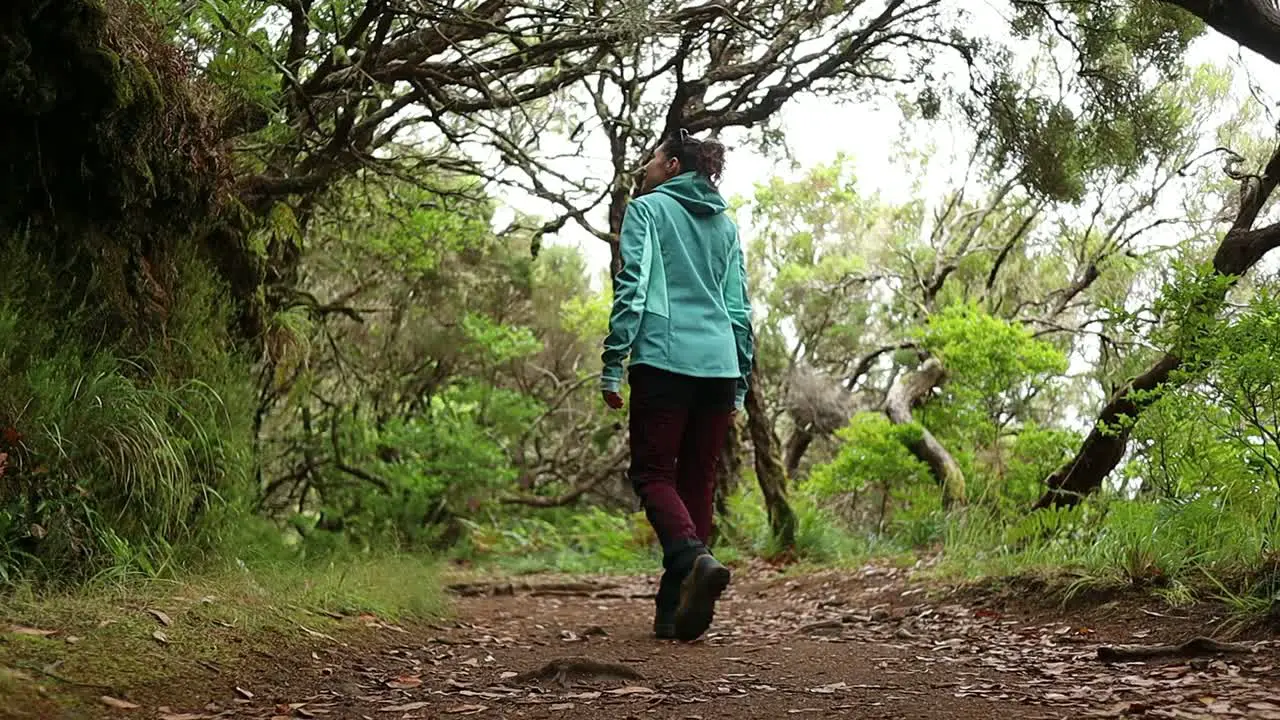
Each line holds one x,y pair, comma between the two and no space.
855,645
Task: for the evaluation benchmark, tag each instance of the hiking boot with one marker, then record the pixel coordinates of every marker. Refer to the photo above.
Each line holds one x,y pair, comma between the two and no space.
698,595
664,624
667,600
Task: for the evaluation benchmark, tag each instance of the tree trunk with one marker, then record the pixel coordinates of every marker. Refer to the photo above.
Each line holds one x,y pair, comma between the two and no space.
728,477
797,445
908,391
1241,248
770,473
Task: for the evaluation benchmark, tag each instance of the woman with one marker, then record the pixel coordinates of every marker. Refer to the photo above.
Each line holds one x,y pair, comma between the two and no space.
680,311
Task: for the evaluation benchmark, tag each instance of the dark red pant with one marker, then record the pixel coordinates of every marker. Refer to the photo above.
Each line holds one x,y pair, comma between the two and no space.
678,429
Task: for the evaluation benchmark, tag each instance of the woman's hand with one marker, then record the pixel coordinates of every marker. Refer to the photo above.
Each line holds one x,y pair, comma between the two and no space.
612,399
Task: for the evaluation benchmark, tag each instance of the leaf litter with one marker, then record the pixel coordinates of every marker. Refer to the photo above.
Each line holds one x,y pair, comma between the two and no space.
821,645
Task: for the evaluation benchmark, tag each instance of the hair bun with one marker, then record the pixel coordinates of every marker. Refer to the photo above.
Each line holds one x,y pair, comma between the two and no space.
706,157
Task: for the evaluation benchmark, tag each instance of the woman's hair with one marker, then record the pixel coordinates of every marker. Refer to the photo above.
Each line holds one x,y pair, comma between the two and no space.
704,156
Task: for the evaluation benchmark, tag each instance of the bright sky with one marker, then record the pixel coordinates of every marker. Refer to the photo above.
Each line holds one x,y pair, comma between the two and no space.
816,130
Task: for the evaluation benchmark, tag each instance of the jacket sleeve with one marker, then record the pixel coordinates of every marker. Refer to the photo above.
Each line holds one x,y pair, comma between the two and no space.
630,287
739,307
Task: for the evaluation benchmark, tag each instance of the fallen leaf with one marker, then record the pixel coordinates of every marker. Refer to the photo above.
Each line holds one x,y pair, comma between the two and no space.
561,706
161,617
508,675
1138,681
244,693
160,637
183,716
466,709
404,682
630,690
406,707
117,703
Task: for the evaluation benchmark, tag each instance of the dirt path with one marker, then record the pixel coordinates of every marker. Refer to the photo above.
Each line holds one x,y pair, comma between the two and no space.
860,645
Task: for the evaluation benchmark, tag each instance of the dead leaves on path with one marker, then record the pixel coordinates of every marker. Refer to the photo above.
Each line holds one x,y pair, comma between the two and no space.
572,675
980,652
407,707
1056,666
922,655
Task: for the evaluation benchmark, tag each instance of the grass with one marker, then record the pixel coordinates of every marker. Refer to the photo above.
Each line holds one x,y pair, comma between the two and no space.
113,449
1209,548
104,638
1182,553
822,540
584,541
1212,547
598,541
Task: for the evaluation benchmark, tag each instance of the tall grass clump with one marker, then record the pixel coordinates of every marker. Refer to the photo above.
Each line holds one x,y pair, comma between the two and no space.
113,457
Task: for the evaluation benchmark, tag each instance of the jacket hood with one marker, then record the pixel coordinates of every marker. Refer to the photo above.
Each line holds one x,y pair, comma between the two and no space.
694,192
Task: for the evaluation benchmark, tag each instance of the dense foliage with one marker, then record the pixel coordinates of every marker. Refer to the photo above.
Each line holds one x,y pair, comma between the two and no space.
271,278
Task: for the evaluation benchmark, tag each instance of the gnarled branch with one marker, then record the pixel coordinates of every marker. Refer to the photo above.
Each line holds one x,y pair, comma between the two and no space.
909,390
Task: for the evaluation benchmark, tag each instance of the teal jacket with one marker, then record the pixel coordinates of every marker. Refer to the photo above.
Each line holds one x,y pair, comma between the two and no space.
680,303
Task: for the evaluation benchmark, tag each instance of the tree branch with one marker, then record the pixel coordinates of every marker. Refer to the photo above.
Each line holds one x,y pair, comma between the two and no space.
905,394
1254,24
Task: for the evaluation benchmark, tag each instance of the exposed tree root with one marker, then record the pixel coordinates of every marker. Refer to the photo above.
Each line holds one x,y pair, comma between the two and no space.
560,670
824,625
544,589
1192,648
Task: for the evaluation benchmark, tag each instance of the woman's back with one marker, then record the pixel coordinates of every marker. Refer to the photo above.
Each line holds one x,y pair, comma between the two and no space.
680,312
687,326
